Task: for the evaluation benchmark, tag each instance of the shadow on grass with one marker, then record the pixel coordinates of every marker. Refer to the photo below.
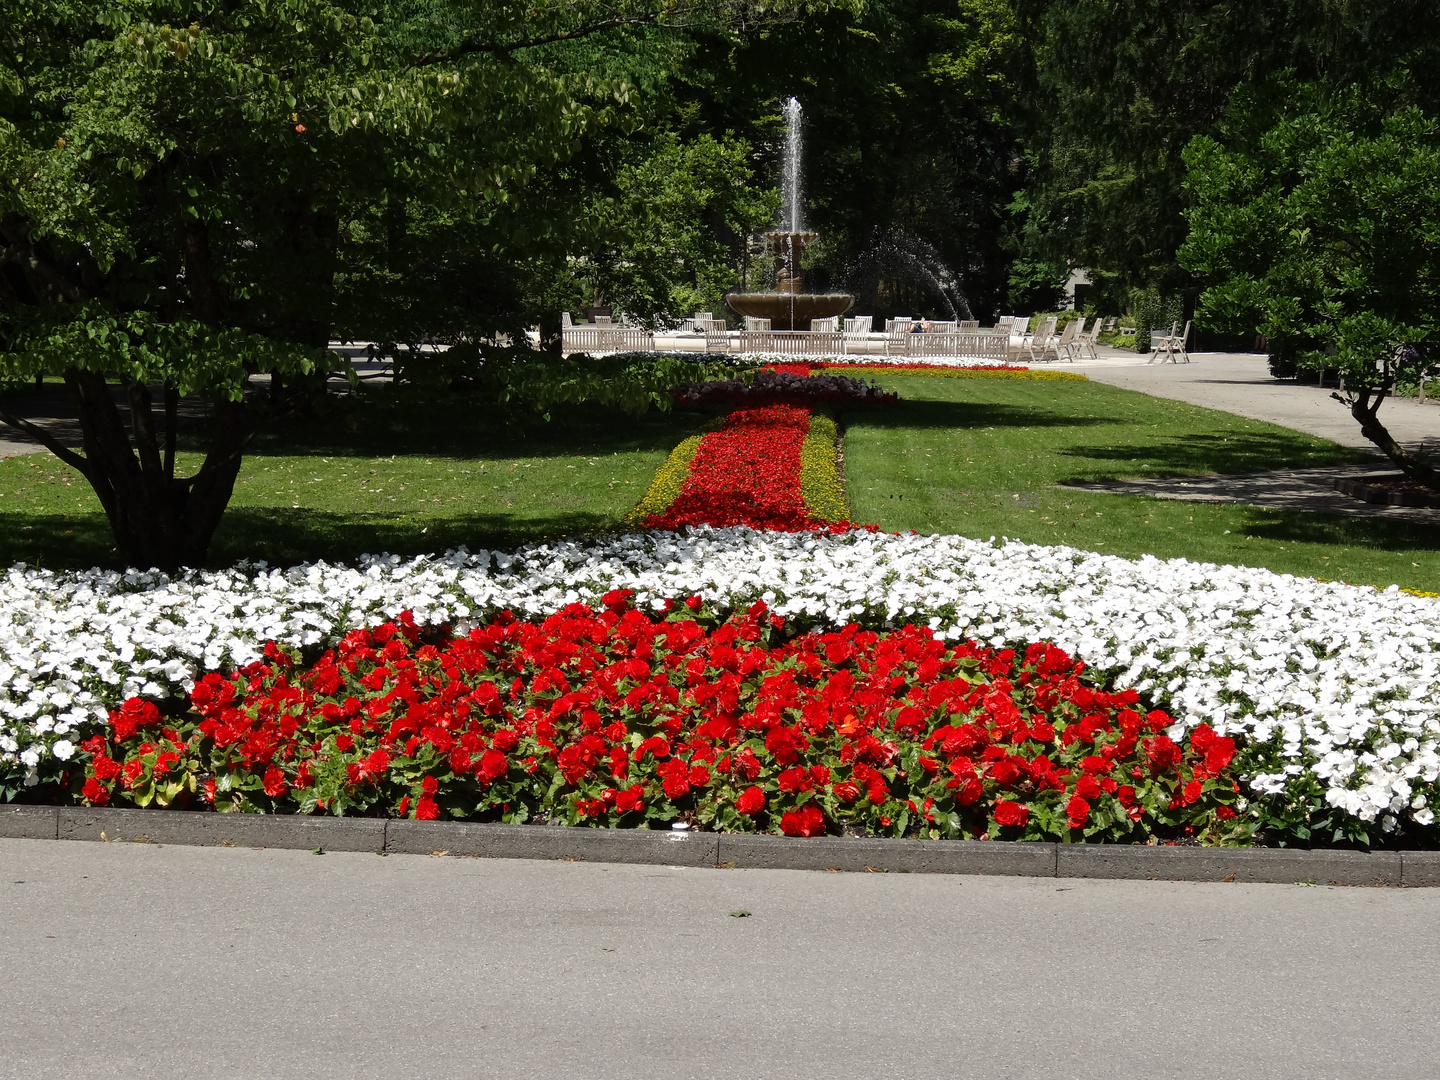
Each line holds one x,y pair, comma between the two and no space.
285,536
967,414
460,429
1375,534
1187,455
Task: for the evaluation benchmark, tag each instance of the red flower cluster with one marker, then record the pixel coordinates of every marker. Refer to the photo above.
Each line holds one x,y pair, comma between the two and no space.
621,718
748,473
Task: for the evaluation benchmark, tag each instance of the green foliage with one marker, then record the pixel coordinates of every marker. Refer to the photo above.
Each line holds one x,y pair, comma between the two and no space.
1317,217
1119,89
676,219
908,137
1317,221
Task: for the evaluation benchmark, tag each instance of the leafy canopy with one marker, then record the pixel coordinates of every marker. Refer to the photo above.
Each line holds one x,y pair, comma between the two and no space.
1317,217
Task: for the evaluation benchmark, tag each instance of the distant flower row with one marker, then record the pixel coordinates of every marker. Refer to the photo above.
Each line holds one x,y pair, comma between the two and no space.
1332,691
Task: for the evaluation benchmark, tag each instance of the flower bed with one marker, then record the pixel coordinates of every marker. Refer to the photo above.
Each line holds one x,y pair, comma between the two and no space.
1331,691
789,383
756,471
623,718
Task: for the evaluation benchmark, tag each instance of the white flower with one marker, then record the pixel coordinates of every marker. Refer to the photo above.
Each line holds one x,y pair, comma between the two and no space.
1337,682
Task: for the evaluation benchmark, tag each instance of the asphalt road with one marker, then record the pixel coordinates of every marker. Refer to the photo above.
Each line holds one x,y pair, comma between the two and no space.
136,961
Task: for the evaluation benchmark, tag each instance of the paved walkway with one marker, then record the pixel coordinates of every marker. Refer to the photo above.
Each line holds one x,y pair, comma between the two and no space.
1241,383
132,961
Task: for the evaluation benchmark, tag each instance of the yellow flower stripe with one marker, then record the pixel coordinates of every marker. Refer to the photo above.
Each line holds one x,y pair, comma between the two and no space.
669,479
953,373
819,478
1423,595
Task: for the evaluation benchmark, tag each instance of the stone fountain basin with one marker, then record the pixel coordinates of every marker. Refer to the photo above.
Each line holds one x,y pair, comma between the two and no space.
790,311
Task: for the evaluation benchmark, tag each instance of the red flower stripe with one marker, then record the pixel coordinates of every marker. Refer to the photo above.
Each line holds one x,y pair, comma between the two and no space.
617,717
748,473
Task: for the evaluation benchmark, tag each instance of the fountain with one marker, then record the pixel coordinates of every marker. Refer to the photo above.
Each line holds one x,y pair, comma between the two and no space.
790,307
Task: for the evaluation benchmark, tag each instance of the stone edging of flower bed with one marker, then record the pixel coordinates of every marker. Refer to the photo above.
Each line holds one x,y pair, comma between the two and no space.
1364,487
726,850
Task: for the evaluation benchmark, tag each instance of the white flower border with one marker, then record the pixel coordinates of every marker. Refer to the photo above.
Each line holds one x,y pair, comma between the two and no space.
1343,682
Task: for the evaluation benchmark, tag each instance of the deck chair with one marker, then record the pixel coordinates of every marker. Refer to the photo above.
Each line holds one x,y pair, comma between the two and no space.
830,325
1064,346
857,331
1042,341
1071,343
1160,343
1087,344
969,324
895,330
755,325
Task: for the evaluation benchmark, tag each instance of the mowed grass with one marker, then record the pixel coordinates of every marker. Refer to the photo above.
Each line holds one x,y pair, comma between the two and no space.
980,458
405,480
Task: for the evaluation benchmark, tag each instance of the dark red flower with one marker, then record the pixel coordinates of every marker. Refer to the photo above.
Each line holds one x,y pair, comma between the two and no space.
427,809
750,801
106,768
807,821
274,783
95,793
1087,787
1011,813
1078,811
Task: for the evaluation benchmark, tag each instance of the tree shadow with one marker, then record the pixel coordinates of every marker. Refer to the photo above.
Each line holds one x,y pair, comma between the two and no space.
1376,533
56,541
459,429
283,536
1192,454
969,414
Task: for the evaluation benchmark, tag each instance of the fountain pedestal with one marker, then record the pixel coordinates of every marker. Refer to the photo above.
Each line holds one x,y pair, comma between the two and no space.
790,307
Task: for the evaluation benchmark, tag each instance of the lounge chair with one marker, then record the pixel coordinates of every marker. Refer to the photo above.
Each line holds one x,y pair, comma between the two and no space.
1042,341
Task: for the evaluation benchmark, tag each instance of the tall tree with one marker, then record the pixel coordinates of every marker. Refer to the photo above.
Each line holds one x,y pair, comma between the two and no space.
196,191
1117,90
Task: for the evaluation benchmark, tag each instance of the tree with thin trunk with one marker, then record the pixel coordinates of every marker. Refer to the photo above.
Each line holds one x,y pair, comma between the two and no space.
1317,220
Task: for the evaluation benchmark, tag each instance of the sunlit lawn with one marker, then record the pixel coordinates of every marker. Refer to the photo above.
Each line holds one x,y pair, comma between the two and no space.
976,457
406,480
981,458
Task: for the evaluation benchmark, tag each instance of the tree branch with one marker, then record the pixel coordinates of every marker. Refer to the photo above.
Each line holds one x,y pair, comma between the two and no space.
45,439
470,48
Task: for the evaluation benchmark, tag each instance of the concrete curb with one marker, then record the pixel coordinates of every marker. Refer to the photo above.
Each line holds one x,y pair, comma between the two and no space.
737,850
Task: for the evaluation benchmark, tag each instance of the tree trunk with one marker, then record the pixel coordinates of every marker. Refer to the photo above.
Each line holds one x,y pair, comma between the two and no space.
158,520
1362,408
551,334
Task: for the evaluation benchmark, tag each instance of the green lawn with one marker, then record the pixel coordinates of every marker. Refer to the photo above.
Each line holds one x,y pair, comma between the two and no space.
406,480
980,457
969,456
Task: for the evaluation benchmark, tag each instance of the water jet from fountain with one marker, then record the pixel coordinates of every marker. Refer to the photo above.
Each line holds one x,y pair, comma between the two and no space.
790,307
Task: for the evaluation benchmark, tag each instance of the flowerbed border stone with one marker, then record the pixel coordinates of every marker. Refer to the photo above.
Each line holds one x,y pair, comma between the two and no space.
726,850
1365,488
